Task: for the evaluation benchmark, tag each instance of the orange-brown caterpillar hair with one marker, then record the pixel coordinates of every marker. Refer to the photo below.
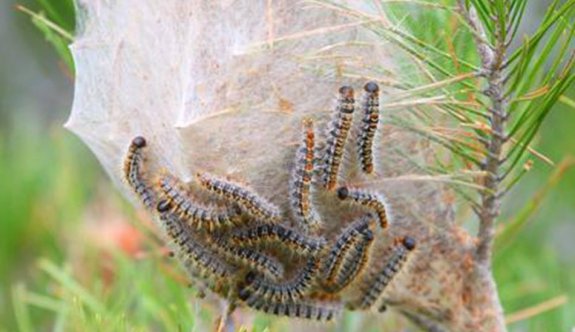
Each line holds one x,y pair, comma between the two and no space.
300,194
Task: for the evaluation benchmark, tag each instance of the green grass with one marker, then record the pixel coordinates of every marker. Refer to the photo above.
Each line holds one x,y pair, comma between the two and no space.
538,265
48,180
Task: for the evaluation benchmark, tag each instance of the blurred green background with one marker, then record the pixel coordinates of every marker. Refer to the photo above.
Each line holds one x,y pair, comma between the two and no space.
74,254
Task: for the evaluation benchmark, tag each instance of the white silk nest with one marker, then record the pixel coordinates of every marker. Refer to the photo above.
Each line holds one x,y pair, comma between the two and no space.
222,86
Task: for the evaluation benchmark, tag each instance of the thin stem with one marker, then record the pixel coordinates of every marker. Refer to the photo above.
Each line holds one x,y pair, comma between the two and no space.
492,60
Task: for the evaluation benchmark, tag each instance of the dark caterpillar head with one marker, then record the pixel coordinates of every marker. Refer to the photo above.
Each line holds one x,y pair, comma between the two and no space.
371,87
409,243
139,142
250,277
163,206
342,193
346,92
368,235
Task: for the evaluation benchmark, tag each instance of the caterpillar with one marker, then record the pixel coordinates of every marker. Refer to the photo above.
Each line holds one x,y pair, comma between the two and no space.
210,218
370,200
377,286
336,256
278,234
302,178
315,310
259,289
337,135
249,201
369,126
133,171
191,252
248,257
354,261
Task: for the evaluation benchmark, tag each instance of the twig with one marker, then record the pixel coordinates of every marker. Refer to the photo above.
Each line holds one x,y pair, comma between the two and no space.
492,60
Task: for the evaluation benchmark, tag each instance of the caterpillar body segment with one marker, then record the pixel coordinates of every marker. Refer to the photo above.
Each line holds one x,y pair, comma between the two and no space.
374,288
300,194
192,252
258,289
134,173
370,121
336,257
272,234
210,218
370,200
254,260
338,131
245,198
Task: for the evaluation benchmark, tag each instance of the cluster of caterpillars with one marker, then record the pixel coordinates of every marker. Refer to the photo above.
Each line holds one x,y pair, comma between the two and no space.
238,245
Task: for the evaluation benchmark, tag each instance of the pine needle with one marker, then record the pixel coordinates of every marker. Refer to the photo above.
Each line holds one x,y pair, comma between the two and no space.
538,309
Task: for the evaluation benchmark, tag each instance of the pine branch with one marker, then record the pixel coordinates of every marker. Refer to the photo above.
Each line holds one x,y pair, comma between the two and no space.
492,60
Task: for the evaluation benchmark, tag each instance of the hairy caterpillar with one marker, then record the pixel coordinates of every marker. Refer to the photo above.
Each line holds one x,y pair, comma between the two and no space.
248,257
370,200
373,289
300,195
249,201
353,262
336,256
200,217
368,126
259,289
278,234
189,249
337,136
133,165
